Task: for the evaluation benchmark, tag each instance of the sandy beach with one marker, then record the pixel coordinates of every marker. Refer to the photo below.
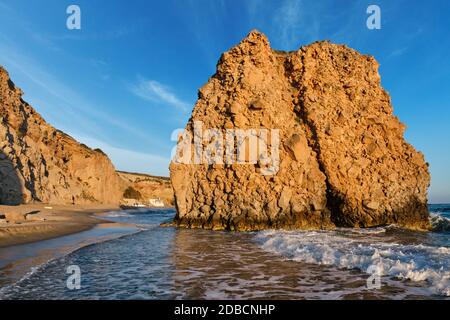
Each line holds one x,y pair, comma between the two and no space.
35,222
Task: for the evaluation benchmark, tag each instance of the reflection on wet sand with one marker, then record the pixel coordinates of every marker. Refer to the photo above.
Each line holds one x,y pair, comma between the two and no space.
170,263
19,260
224,265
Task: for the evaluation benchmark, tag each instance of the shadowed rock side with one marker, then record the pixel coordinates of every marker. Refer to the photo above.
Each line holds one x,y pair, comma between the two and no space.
40,163
343,159
10,187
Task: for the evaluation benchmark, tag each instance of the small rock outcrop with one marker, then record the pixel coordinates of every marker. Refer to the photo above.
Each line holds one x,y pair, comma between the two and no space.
41,164
342,158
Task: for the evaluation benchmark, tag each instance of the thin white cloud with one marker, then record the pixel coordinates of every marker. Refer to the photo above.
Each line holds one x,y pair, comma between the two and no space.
295,20
98,63
204,20
154,91
43,41
67,99
398,52
5,7
288,18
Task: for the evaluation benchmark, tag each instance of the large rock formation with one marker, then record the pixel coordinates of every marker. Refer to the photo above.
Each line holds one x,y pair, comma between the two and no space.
40,163
343,159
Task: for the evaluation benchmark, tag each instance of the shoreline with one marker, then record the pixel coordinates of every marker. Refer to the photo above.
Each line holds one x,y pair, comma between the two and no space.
31,244
45,222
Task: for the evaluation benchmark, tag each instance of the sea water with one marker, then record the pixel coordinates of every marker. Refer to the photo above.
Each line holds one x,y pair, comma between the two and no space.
169,263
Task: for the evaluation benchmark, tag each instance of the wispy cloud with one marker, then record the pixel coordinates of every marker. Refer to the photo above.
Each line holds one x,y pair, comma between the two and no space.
205,20
291,23
398,52
85,118
58,98
5,7
98,63
153,91
68,100
115,33
43,41
288,18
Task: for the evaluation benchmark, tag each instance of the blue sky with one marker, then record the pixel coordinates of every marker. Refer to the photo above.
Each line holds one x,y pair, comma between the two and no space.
130,76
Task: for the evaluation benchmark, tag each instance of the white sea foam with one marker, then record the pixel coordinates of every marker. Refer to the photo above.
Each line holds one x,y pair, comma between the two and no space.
439,223
348,250
24,277
116,214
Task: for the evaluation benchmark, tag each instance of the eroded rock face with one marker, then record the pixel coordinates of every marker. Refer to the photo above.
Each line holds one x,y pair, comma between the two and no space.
40,163
343,159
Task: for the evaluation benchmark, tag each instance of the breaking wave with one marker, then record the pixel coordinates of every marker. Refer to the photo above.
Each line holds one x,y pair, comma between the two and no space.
361,249
439,223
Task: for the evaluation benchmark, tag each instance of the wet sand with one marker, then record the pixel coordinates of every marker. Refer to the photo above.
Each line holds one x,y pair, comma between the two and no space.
44,222
18,261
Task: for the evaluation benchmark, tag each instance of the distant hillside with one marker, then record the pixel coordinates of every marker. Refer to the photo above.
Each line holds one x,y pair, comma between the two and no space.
143,175
145,187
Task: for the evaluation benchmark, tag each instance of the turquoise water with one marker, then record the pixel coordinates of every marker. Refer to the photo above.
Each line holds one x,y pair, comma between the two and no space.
169,263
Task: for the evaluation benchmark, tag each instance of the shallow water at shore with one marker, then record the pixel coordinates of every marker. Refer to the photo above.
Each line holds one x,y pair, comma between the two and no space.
170,263
19,261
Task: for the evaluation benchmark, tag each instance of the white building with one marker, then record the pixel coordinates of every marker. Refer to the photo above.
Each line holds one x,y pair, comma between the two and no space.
156,202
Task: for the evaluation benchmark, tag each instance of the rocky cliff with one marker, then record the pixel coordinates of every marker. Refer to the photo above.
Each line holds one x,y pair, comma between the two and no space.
343,160
147,187
41,164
